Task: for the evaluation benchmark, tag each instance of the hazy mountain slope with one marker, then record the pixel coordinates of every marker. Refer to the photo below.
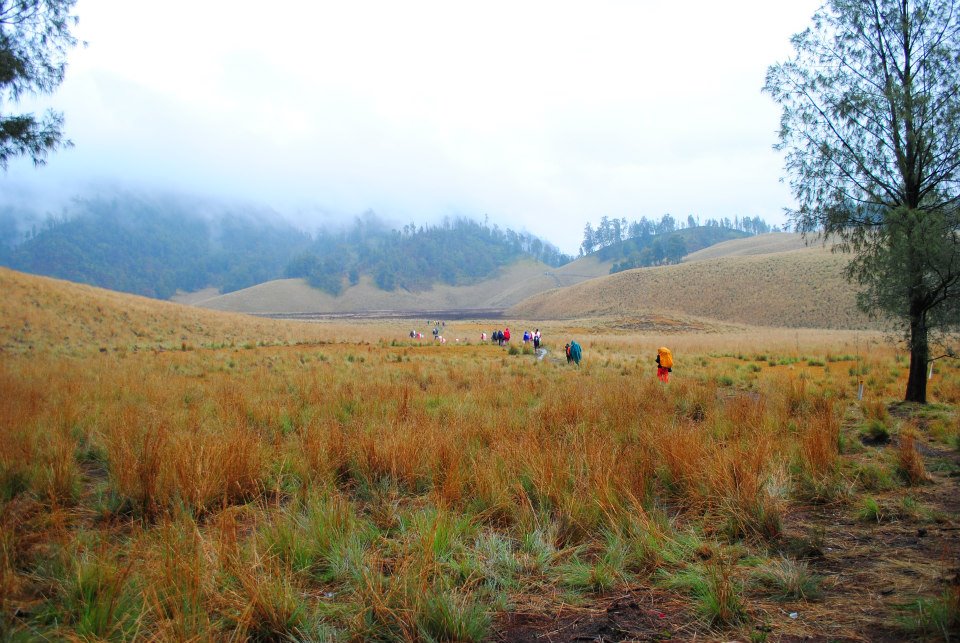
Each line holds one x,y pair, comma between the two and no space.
296,296
801,288
515,283
41,313
758,245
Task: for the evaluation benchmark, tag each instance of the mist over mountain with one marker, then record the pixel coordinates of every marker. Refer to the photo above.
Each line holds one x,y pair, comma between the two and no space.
156,245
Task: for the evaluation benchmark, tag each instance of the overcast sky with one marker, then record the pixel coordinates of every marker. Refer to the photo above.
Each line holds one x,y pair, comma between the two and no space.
542,115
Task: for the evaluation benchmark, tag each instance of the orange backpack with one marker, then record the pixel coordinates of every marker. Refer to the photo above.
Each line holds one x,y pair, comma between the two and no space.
666,357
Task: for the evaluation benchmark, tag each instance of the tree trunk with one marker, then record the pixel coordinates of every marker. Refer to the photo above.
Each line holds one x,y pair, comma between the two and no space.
919,355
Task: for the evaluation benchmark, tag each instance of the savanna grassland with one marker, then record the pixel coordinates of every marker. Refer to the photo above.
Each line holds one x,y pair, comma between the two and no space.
165,476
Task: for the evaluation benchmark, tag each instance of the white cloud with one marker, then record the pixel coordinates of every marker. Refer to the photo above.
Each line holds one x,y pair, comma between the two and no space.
541,114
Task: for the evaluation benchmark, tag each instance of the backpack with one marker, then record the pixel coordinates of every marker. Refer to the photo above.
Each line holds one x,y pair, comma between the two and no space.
666,357
575,352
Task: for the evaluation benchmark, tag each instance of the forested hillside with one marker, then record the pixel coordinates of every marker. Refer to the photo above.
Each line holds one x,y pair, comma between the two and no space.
667,248
155,246
646,242
456,253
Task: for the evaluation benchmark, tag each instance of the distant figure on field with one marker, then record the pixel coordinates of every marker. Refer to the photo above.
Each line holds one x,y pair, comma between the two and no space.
566,350
575,353
483,336
664,364
536,339
526,336
506,334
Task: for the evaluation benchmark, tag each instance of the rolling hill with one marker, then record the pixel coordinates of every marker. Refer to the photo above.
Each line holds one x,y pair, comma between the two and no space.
515,283
44,314
762,244
795,289
765,280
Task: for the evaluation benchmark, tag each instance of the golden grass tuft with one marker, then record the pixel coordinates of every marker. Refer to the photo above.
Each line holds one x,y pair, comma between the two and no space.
909,461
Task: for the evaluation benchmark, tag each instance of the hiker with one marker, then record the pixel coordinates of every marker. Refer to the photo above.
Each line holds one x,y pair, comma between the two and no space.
483,336
575,353
566,350
664,364
536,339
526,336
506,334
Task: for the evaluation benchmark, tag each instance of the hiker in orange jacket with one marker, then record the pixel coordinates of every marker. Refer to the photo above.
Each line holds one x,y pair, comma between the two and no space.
664,364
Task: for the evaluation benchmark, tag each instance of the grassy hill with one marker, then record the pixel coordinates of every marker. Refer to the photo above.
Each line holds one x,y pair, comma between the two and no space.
799,288
514,283
762,244
735,281
41,314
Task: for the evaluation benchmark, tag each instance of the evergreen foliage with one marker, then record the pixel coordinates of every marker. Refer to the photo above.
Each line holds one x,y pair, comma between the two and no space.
871,130
647,242
156,246
456,252
34,39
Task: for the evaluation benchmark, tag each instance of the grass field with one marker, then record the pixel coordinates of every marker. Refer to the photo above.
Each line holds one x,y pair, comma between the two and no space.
172,477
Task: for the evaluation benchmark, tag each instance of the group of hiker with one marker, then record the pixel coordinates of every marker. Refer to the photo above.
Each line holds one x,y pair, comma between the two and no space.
572,349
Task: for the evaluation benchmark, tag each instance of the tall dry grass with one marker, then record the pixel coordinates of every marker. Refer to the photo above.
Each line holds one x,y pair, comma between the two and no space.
386,489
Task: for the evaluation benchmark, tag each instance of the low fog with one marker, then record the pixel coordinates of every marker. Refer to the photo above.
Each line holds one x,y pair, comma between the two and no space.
541,117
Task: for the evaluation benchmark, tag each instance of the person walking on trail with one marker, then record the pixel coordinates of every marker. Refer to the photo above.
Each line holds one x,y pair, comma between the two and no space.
506,335
575,353
664,364
536,340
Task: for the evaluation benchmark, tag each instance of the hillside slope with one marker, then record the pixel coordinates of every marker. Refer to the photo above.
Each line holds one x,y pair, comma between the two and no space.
796,289
761,244
44,314
515,283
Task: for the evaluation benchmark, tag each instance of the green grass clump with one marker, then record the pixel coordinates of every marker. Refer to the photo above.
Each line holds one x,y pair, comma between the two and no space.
939,616
876,431
713,588
871,476
788,579
453,616
581,575
870,510
322,538
99,600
